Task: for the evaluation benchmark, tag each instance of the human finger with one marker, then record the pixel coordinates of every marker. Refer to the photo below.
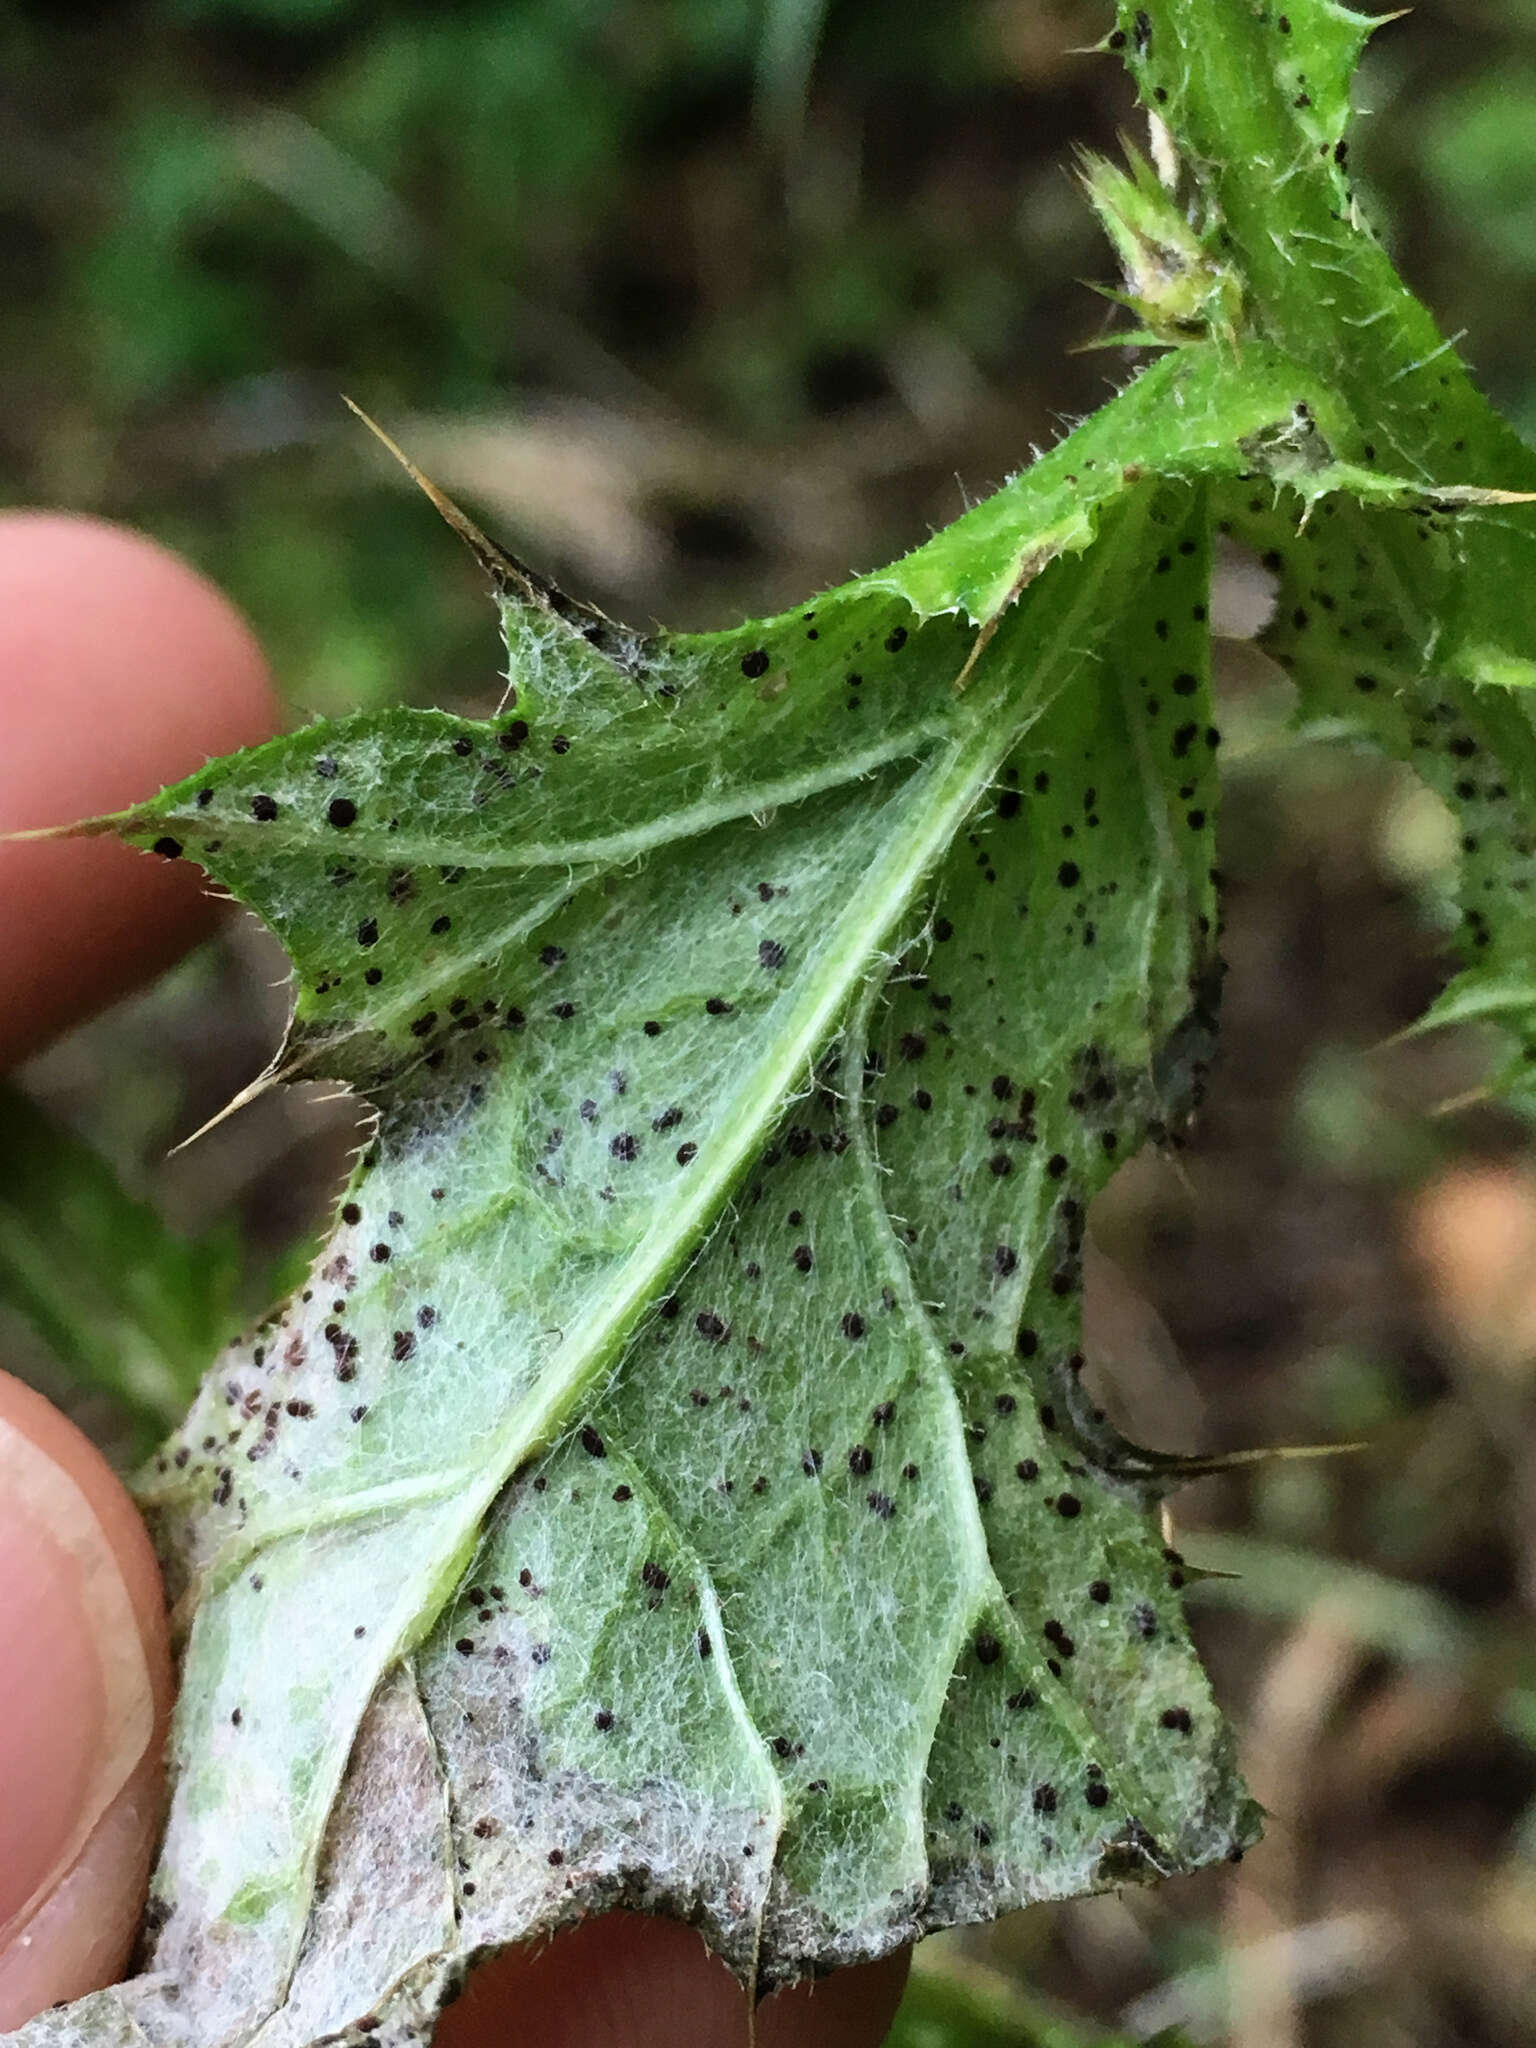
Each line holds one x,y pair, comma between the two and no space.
121,669
626,1980
84,1700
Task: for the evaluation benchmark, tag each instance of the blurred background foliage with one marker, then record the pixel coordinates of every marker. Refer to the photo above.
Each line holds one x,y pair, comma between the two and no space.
700,304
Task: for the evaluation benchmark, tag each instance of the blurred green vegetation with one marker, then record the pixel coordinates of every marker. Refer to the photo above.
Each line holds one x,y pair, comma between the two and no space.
712,220
699,303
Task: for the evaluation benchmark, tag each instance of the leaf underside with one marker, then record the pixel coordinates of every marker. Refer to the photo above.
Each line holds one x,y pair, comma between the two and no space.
674,1486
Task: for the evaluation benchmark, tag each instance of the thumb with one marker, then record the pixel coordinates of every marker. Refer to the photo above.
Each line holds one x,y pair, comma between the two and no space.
85,1689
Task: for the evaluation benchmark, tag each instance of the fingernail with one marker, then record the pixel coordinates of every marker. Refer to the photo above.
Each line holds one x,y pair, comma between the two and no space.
76,1704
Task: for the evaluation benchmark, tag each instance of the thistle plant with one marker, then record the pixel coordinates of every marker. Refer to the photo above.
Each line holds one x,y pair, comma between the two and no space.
674,1484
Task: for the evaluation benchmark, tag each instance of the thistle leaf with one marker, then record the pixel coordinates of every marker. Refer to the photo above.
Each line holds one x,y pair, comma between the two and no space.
674,1485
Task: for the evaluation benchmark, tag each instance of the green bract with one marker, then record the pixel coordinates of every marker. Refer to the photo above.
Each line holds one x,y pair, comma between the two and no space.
673,1485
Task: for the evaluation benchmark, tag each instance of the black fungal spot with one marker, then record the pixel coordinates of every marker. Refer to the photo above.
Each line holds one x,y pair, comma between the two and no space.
770,955
167,848
1176,1719
1004,1260
350,1213
880,1504
1000,1164
717,1006
512,736
1098,1592
1068,1506
860,1460
368,932
1097,1793
810,1463
755,664
1069,874
263,809
602,1720
652,1575
685,1153
988,1649
404,1346
379,1254
853,1324
624,1146
592,1443
341,812
1044,1800
896,640
711,1326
